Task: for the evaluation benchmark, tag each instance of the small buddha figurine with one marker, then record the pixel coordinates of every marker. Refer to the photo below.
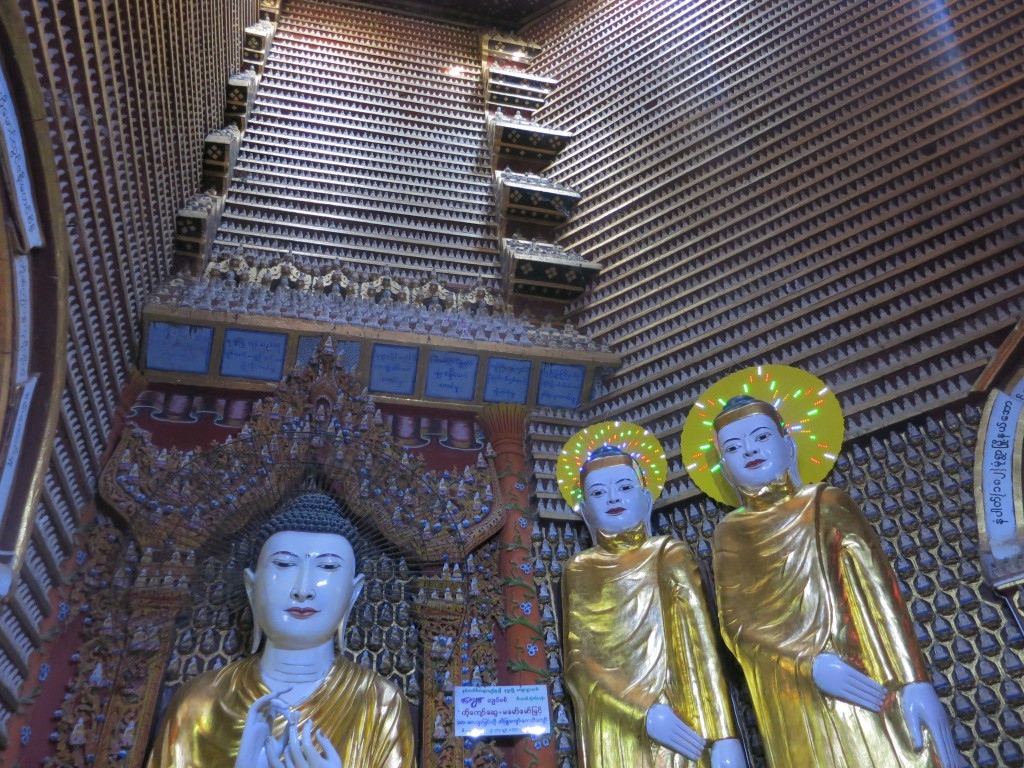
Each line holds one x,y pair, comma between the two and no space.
298,702
641,662
810,606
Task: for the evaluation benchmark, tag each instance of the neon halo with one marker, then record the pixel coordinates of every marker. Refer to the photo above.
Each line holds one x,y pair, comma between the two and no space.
810,410
633,439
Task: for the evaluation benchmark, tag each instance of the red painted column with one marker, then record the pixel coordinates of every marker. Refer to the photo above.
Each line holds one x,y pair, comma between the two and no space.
505,427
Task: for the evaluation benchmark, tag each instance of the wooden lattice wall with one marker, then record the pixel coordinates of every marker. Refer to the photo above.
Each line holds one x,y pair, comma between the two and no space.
835,186
831,185
130,90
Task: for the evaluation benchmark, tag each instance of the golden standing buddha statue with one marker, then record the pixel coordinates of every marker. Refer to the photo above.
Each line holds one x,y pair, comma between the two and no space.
810,607
298,703
641,663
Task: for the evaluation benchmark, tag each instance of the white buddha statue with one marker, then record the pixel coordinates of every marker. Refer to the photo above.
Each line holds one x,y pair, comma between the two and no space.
299,702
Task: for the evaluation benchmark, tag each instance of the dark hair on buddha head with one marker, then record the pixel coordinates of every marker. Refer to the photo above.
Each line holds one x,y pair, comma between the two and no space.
311,513
738,401
741,406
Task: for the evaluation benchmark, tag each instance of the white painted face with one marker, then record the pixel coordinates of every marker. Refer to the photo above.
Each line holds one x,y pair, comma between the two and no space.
614,500
303,588
755,454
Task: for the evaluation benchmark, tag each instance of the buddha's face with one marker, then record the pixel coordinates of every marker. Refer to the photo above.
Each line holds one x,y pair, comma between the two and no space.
614,500
303,588
755,453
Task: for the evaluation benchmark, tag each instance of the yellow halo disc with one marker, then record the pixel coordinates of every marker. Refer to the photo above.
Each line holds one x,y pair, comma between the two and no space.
809,409
629,438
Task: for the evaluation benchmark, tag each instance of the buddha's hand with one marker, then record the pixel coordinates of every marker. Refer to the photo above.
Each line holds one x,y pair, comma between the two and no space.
728,753
304,747
835,678
257,732
665,727
922,709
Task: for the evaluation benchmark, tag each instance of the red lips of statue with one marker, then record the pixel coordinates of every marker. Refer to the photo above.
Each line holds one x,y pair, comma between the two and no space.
616,510
754,463
302,613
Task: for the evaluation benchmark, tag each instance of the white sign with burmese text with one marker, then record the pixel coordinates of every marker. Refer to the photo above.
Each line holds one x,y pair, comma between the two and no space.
501,710
17,165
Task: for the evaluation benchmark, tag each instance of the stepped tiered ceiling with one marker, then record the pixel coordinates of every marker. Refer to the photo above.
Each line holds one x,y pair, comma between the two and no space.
362,205
839,191
367,147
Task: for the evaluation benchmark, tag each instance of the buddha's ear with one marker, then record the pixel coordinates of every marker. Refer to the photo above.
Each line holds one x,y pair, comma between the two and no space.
648,500
249,580
721,462
726,473
357,588
587,519
794,461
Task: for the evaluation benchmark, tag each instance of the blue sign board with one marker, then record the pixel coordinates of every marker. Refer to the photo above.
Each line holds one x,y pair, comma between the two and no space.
393,369
560,385
451,375
178,347
508,380
253,354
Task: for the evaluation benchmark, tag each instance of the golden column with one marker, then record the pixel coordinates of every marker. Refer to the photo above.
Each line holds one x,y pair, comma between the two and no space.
505,427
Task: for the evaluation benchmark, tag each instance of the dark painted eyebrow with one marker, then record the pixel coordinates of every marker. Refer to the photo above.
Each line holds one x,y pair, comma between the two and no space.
755,429
286,553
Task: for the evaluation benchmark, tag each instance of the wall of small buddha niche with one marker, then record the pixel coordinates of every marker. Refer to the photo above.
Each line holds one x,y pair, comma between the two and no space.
836,187
129,91
830,186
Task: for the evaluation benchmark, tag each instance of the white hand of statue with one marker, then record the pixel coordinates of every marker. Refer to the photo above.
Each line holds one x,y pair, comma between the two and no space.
665,727
922,709
303,749
835,678
728,753
259,721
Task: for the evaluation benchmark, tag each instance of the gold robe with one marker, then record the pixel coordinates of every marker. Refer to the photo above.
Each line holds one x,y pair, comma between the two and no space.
808,576
364,716
637,633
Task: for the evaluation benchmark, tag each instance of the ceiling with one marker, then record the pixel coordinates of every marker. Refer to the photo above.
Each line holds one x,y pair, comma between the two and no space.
506,14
